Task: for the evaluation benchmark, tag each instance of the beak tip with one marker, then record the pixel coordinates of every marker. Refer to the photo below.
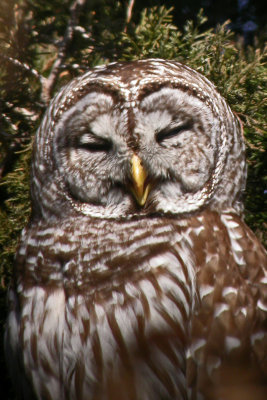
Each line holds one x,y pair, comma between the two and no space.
139,189
141,195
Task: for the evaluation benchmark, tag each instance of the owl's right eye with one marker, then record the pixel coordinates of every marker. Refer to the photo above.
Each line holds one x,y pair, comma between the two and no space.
94,143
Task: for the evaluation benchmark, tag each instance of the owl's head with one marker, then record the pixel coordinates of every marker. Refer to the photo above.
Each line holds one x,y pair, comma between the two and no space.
143,138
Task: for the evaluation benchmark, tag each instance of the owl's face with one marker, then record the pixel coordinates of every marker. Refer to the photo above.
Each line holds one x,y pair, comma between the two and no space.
141,139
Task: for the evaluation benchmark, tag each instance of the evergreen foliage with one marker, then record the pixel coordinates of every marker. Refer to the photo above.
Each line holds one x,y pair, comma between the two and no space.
44,44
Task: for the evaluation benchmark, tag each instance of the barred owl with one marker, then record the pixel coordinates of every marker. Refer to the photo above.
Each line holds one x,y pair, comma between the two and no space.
136,277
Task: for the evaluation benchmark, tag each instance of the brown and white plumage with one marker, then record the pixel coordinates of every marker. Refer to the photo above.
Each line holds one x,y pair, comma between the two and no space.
136,277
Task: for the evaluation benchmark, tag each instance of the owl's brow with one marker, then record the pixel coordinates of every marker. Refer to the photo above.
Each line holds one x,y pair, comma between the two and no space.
181,84
73,96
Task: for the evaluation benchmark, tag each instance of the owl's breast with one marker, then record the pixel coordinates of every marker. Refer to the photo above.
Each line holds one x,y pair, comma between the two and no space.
130,309
116,299
110,307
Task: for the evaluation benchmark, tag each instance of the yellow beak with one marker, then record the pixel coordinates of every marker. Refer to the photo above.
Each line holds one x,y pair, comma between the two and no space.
139,175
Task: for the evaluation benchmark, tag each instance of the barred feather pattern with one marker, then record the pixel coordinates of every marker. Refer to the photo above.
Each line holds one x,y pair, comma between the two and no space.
136,277
163,318
105,321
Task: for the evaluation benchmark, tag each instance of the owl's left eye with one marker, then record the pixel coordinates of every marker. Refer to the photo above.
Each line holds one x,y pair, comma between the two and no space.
171,132
94,143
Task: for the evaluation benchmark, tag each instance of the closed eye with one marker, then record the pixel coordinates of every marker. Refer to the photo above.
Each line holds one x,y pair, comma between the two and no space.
94,143
169,133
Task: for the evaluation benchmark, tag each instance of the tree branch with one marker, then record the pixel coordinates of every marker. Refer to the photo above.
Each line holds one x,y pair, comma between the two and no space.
23,66
129,13
49,83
